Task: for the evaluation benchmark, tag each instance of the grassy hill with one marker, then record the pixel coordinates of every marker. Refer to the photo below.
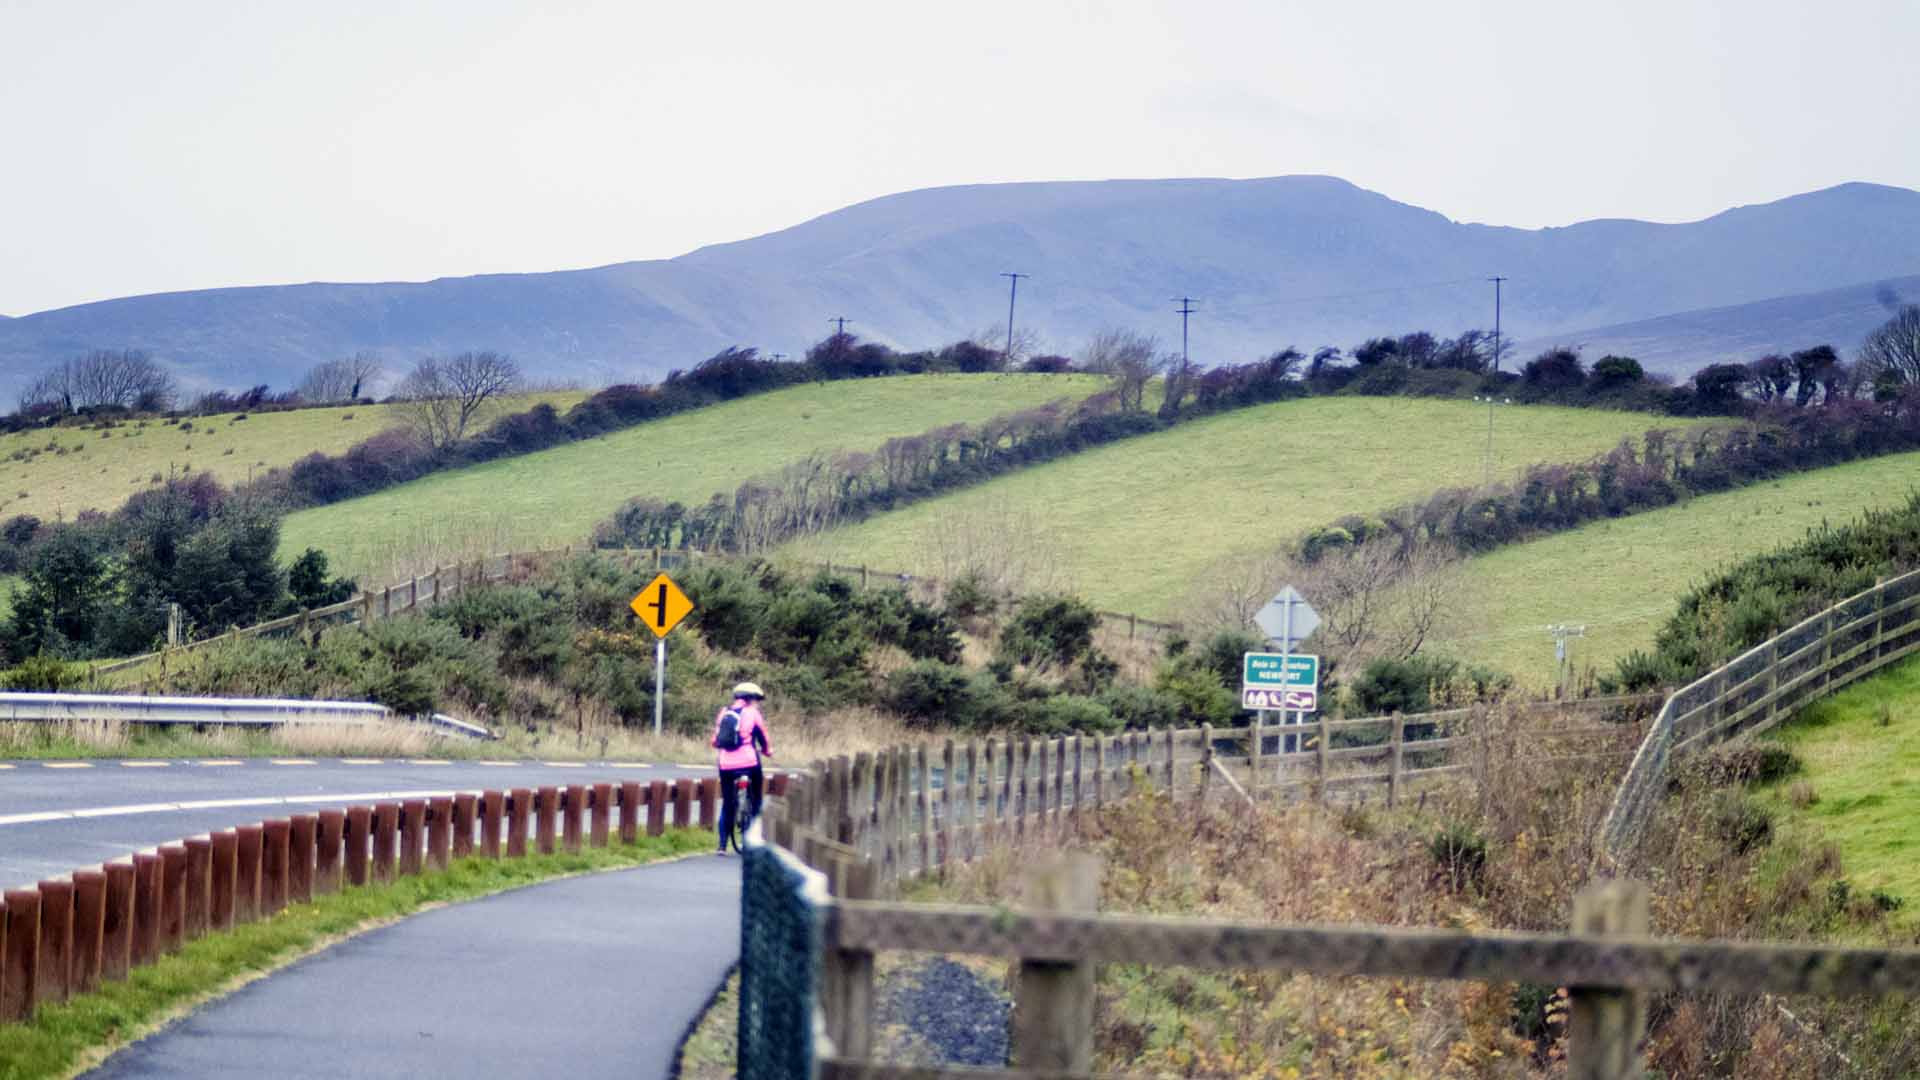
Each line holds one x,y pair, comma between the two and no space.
1133,525
1865,776
556,496
1622,578
55,474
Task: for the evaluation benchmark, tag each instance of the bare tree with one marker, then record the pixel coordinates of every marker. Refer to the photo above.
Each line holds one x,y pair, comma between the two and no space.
1026,341
445,396
1375,600
1891,354
1005,549
127,379
1125,357
345,379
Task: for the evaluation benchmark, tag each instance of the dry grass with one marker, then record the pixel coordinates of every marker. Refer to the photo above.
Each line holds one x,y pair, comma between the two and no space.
1522,824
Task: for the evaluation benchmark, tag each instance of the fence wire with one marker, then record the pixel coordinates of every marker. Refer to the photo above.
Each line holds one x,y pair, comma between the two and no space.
780,945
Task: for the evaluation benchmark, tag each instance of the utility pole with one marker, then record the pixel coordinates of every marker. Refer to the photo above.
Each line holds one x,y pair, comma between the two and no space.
839,324
1185,309
1496,279
1013,290
1563,636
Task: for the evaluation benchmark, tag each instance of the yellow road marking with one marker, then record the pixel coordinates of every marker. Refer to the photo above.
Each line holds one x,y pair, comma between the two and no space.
498,764
145,764
361,761
426,761
67,764
222,761
291,761
629,765
564,764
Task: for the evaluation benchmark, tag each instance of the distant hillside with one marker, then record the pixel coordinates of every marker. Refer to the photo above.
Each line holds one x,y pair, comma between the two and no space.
1683,343
1298,259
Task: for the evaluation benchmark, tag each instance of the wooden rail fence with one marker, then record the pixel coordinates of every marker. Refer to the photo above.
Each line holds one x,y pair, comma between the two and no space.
852,829
1758,689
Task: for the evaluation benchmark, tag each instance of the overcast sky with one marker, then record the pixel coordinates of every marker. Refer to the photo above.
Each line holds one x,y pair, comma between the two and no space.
179,145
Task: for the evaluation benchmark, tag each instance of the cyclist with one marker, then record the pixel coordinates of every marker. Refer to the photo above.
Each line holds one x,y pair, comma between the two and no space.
740,743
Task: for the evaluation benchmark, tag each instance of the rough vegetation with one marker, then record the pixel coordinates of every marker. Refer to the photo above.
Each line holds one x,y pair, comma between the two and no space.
1507,849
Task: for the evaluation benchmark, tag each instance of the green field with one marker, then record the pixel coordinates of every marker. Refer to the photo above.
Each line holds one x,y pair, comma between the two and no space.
556,496
1866,779
1623,578
55,473
1137,524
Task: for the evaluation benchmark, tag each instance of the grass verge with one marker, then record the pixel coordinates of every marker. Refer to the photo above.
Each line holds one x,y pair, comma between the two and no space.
1859,784
602,738
710,1049
63,1040
1622,578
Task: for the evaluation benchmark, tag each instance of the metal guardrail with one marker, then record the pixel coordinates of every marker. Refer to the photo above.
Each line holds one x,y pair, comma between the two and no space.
209,712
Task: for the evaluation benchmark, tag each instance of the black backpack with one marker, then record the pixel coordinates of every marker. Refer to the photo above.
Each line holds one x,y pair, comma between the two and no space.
729,736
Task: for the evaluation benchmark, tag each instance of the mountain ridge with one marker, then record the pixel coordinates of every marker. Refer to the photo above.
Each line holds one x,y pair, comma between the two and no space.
1301,260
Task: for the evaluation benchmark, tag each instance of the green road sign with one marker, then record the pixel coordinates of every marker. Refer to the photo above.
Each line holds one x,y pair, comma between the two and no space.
1280,681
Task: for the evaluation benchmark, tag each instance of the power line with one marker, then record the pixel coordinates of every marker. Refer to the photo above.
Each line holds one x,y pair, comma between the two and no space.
839,324
1013,290
1186,309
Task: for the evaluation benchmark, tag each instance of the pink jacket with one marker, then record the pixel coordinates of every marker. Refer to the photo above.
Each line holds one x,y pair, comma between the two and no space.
752,725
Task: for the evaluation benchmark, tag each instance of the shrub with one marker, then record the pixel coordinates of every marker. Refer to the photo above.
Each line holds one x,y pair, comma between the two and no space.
1062,713
1138,707
1461,853
1421,683
968,596
928,691
1739,822
1202,698
1049,631
44,674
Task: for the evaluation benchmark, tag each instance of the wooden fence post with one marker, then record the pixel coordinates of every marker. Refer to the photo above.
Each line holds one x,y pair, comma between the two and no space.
924,804
116,935
847,974
1255,737
1040,788
1206,760
1170,773
1607,1023
629,811
1396,744
1079,753
1059,782
1323,747
20,964
54,977
1826,650
1053,1001
89,928
946,805
1020,808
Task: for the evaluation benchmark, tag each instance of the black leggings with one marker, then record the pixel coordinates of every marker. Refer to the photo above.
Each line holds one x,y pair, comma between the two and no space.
730,797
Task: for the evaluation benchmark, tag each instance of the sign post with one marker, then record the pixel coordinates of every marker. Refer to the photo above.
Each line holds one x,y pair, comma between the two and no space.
1288,620
661,605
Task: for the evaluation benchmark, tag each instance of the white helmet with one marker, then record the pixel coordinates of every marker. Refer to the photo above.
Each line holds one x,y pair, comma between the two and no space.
749,690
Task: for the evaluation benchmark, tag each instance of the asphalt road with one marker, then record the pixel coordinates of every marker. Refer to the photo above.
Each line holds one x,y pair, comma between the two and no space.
589,977
57,817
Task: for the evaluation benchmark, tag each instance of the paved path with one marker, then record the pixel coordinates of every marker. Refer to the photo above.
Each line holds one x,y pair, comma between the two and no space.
589,977
56,817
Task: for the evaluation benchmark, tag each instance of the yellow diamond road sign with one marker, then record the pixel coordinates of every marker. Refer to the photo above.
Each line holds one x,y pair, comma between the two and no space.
661,605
